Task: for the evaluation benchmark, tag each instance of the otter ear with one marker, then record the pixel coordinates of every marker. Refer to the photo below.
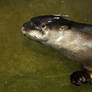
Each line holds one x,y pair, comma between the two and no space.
64,27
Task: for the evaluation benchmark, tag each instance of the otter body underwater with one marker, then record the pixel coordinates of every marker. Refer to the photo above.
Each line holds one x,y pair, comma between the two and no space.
72,39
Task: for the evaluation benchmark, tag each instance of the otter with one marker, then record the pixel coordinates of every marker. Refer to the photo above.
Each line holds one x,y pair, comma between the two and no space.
72,39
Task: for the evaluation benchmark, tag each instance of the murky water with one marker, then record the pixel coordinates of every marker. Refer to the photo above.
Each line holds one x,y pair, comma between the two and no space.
27,66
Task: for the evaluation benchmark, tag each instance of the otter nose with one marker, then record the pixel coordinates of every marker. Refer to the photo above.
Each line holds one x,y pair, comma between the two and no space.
27,25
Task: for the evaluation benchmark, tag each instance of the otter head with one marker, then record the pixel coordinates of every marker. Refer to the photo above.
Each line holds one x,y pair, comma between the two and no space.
45,28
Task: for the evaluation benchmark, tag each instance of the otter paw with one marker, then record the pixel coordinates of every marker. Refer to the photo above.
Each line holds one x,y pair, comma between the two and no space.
80,77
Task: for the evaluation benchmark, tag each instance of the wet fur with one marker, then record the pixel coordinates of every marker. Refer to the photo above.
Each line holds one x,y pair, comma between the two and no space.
72,39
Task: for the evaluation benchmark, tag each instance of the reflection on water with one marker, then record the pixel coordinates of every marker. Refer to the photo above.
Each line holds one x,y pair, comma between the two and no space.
27,65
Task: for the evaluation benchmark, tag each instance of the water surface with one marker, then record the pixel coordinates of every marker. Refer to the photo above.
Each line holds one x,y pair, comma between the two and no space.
27,66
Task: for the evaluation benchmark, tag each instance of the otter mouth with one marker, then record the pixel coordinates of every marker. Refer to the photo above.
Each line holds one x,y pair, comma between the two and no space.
26,34
32,39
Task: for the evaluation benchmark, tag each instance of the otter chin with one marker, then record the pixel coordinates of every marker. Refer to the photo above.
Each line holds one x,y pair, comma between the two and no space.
72,39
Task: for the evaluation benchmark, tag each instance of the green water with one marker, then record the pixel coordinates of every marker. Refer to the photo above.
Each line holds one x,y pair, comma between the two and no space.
27,66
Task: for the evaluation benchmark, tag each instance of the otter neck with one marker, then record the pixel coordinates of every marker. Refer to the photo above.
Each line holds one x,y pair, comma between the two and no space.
66,39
